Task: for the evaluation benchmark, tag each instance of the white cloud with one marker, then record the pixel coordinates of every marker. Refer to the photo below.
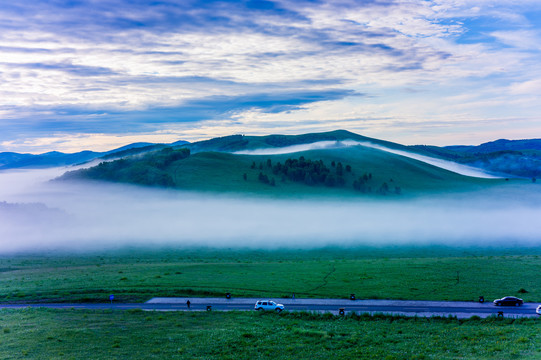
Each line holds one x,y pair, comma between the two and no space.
530,87
522,39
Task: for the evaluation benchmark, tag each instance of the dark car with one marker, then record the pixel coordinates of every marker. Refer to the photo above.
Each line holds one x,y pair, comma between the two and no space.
508,301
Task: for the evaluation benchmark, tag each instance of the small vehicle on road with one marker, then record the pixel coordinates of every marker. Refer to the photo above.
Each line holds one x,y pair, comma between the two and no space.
508,301
265,305
538,310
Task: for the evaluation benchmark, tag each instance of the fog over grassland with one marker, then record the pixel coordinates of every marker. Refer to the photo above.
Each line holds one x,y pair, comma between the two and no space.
444,164
37,214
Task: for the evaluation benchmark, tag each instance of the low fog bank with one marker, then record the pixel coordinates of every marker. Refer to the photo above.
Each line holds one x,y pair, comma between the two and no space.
444,164
39,215
295,148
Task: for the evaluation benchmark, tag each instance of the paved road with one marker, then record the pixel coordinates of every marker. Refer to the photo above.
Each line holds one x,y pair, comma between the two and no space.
402,307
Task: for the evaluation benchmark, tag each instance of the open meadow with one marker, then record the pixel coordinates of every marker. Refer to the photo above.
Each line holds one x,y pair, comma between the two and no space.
401,272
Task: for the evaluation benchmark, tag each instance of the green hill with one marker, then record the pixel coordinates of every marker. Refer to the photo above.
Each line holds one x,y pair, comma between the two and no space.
352,171
520,158
235,143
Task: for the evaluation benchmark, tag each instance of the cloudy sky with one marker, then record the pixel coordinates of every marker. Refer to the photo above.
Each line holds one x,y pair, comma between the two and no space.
96,74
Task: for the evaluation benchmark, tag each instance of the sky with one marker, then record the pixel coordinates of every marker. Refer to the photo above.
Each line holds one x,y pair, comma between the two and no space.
98,74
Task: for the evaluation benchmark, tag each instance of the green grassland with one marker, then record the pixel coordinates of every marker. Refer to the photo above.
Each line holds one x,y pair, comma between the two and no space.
369,272
85,334
420,273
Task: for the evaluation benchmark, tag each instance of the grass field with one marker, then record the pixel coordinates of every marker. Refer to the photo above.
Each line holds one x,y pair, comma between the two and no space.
433,272
420,273
76,334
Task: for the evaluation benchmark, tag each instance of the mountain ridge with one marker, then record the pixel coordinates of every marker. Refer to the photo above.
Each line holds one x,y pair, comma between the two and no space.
520,158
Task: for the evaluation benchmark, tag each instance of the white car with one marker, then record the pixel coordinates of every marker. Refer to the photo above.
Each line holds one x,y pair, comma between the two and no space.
538,310
268,305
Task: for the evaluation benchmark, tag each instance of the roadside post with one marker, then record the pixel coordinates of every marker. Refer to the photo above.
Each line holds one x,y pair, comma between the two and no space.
111,298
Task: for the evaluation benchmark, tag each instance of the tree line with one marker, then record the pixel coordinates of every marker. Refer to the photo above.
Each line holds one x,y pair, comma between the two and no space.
316,172
305,171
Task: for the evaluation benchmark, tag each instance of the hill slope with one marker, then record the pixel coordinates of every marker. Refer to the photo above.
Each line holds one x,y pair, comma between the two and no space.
507,157
351,171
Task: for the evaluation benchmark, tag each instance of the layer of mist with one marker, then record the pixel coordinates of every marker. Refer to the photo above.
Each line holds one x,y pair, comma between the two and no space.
295,148
37,214
444,164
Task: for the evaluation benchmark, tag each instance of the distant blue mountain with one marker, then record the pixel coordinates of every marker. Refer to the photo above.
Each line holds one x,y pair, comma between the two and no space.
11,157
11,160
499,145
